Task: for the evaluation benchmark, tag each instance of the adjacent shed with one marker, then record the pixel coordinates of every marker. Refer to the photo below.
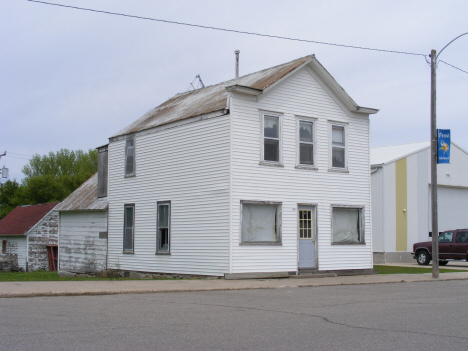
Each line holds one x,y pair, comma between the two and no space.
83,230
401,197
29,237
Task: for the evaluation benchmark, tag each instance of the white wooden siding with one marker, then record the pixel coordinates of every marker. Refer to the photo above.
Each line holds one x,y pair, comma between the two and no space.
16,250
187,164
80,248
299,95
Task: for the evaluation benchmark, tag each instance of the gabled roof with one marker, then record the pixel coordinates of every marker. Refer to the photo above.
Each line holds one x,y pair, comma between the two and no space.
387,154
214,98
23,218
84,198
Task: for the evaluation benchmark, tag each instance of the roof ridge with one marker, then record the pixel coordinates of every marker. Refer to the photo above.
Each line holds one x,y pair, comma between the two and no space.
241,77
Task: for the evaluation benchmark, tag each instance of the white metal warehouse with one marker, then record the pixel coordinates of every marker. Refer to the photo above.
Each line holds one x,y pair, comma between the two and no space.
401,197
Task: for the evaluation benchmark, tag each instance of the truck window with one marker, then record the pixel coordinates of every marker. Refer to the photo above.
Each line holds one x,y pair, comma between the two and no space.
446,237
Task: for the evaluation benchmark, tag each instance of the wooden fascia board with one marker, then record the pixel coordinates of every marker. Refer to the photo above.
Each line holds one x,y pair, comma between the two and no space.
243,89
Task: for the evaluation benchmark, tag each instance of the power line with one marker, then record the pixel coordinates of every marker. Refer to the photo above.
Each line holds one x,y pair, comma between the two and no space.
241,32
228,30
453,66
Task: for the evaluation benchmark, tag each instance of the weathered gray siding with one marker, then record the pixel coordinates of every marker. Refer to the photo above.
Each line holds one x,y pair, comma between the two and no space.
302,94
44,233
80,248
15,250
188,164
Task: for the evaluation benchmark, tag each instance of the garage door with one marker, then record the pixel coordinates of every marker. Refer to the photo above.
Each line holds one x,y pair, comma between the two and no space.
453,208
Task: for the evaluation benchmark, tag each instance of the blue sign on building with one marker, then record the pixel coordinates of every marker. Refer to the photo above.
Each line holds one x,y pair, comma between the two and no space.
443,145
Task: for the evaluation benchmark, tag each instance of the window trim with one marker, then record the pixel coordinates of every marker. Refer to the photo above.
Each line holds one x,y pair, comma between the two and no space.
169,222
279,224
345,147
312,120
128,175
264,162
362,219
132,205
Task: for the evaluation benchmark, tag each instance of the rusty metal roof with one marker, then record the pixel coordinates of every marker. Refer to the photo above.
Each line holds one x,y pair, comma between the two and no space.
23,218
209,99
84,198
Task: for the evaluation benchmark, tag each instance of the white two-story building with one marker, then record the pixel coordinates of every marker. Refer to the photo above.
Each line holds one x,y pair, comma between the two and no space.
266,173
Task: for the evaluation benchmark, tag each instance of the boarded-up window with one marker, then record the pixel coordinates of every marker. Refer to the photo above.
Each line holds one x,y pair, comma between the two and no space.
4,246
260,223
129,228
130,157
347,226
163,240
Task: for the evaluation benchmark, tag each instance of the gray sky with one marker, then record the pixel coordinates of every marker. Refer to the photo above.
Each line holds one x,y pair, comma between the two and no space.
70,78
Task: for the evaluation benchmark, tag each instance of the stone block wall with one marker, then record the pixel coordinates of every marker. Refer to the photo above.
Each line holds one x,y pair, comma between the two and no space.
45,233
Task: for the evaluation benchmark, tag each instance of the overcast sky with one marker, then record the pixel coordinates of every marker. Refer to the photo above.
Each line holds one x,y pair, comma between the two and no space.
71,78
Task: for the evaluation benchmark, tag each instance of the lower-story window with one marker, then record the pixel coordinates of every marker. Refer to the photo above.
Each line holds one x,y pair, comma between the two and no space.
163,240
347,225
4,246
261,223
129,227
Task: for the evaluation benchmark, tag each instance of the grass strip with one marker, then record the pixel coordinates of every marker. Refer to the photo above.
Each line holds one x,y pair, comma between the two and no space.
411,270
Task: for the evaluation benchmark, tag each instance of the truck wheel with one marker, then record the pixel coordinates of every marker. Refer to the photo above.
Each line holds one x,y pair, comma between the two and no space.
423,258
443,263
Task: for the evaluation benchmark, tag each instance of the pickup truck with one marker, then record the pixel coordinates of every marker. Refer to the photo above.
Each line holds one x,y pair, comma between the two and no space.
453,245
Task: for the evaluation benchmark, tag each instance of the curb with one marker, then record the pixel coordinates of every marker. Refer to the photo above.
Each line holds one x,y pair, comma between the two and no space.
251,285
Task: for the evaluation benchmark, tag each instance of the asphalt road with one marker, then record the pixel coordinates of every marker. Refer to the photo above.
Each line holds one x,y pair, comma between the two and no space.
402,316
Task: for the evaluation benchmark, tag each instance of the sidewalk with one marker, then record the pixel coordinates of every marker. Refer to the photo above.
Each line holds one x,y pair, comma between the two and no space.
71,288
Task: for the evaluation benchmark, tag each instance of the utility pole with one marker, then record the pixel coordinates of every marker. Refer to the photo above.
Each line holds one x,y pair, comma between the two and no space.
435,222
434,146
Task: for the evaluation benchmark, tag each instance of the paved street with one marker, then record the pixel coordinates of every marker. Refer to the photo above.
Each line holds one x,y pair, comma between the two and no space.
398,316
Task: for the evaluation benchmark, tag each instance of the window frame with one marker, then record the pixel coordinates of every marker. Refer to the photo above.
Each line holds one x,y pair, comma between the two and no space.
344,126
313,121
128,251
158,237
278,234
279,116
133,174
361,217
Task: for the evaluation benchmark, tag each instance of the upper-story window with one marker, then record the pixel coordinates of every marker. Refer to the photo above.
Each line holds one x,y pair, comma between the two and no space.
338,152
130,157
271,145
306,143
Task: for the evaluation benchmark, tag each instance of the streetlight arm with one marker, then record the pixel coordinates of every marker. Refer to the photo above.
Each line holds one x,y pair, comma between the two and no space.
450,43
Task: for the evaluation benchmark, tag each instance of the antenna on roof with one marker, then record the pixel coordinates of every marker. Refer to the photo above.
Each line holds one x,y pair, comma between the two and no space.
201,82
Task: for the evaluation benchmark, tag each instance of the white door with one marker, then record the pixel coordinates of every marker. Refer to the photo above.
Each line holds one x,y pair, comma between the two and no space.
452,208
306,236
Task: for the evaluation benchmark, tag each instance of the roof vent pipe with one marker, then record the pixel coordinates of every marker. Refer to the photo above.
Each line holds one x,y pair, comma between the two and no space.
237,63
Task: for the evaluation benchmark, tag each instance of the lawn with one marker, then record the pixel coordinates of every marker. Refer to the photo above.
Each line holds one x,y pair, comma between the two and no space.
38,276
53,276
411,270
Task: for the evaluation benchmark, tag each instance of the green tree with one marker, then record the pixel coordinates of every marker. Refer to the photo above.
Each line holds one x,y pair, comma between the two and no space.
10,197
54,176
